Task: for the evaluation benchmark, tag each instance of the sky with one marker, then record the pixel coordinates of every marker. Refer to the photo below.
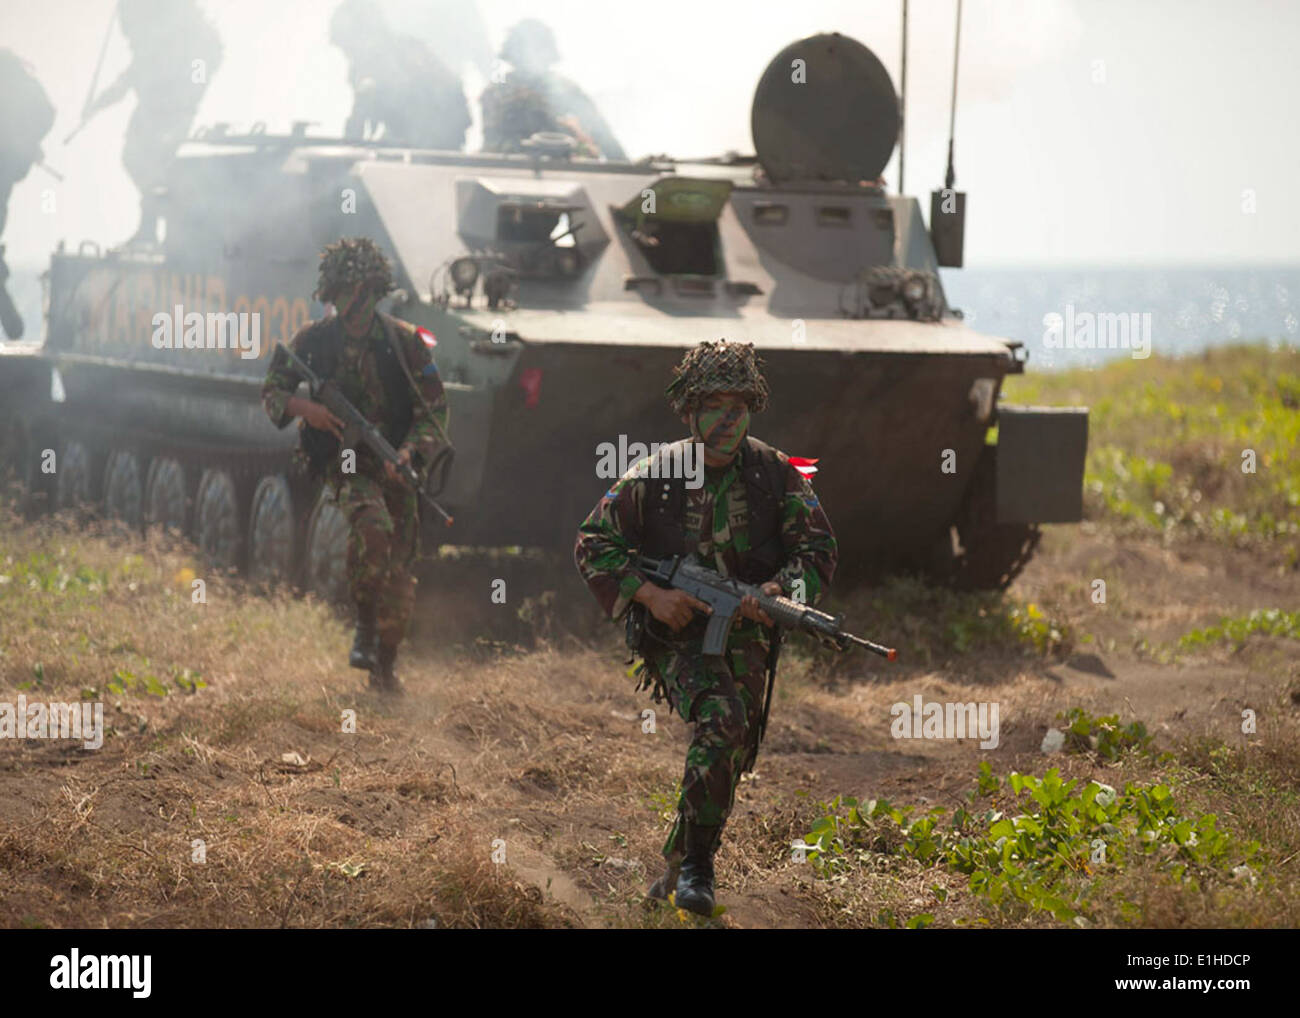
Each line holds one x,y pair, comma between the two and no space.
1089,132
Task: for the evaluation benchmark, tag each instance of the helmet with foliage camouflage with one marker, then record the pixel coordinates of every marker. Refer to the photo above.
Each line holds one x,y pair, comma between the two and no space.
350,261
717,367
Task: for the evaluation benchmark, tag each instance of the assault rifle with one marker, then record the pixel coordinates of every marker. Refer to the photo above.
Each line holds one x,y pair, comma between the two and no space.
357,429
723,595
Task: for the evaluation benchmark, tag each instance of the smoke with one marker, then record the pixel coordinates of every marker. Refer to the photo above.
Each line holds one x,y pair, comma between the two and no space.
678,76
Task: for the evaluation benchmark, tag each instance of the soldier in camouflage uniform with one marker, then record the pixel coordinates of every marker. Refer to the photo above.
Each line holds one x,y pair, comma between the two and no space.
357,348
755,517
532,97
175,51
398,84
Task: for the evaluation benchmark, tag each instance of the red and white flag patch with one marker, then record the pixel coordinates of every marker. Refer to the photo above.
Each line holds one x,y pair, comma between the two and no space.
806,467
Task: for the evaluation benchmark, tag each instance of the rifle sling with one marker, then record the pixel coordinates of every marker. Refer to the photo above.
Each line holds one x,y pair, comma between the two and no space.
396,347
773,656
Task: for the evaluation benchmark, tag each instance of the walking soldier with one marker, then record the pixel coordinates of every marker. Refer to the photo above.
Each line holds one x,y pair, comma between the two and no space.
385,369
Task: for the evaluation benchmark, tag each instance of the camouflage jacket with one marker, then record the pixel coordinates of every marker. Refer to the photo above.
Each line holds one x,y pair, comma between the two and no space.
717,524
519,107
357,375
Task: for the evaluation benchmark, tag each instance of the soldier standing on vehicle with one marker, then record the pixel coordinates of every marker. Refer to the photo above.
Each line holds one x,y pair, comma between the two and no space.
383,366
754,517
398,84
175,51
25,118
532,98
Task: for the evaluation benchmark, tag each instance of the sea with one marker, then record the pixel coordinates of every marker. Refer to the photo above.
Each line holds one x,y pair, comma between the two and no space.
1074,317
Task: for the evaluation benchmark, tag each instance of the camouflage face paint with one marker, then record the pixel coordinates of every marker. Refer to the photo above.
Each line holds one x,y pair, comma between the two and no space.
721,429
359,309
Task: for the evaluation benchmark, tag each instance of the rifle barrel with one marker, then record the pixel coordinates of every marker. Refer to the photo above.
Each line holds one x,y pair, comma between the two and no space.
889,653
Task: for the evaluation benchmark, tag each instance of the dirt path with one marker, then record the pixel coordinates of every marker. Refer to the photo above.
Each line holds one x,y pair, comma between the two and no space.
542,755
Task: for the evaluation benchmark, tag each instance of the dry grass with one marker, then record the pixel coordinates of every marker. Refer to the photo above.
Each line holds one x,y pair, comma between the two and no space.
372,829
521,733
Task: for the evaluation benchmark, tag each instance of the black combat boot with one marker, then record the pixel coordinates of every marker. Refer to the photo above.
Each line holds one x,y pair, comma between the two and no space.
695,882
382,679
665,885
363,643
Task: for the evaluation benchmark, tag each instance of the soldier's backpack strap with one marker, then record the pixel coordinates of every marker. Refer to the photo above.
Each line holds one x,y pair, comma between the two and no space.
663,534
322,343
764,473
395,344
663,524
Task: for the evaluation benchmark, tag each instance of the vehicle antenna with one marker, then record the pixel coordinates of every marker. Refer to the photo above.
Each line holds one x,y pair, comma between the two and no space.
951,177
902,106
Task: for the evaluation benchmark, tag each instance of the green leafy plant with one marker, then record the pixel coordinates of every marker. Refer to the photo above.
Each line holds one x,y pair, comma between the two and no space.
189,681
1036,629
665,803
1041,844
126,681
1104,736
1267,622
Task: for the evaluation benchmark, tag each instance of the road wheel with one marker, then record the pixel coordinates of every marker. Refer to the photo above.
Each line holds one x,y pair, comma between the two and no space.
72,472
124,489
217,527
327,550
270,531
165,495
21,478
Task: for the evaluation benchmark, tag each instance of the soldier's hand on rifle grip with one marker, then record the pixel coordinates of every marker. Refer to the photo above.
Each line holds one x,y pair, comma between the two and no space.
317,416
674,608
404,457
749,605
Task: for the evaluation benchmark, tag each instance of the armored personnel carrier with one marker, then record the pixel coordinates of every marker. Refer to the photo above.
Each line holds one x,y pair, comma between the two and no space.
558,291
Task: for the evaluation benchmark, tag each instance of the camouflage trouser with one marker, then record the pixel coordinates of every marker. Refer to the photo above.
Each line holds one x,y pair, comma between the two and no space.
384,531
723,697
